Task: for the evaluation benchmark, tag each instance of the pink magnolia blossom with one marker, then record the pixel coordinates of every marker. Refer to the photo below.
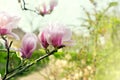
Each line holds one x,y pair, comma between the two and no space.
55,35
7,23
44,9
29,43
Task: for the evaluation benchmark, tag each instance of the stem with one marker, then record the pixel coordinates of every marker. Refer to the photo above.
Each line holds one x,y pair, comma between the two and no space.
24,5
8,56
25,8
37,60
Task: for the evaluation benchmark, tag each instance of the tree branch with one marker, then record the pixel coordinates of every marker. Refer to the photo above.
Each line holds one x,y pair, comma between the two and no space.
36,61
8,55
27,9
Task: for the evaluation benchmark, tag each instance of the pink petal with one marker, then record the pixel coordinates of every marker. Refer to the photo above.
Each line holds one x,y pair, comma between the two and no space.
28,45
14,35
56,40
43,40
7,23
29,37
8,20
3,31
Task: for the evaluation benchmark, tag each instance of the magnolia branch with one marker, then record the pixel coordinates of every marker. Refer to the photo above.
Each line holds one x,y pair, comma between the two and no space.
25,8
36,61
8,55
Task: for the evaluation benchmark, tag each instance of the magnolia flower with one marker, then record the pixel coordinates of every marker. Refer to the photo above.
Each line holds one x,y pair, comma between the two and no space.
7,23
55,35
44,9
29,43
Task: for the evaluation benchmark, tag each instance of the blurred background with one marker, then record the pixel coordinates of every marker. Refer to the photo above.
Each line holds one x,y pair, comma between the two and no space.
95,25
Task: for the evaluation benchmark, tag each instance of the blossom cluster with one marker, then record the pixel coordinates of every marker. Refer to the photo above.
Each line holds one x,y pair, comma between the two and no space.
54,34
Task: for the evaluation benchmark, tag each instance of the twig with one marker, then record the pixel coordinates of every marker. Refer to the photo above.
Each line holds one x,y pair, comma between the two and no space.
8,55
24,4
27,9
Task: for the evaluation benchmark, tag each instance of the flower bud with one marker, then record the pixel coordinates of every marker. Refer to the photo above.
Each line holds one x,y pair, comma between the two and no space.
29,43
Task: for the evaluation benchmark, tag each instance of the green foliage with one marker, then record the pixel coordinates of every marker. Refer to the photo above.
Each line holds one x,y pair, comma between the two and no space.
15,61
112,4
41,64
59,54
1,46
2,62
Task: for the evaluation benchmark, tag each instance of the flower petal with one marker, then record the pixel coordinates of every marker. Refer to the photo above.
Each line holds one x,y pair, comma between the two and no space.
7,23
67,34
14,35
43,40
28,45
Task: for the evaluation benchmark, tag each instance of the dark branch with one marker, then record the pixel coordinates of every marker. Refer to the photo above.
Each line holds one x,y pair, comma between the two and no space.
36,61
8,56
27,9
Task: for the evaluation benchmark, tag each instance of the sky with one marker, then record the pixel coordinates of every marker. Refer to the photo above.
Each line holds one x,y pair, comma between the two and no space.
69,12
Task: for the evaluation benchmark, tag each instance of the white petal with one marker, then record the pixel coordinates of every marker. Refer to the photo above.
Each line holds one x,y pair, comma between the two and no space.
67,35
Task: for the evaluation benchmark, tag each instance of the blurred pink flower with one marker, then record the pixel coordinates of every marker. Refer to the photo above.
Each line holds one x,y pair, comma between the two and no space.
55,35
7,23
29,43
43,9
